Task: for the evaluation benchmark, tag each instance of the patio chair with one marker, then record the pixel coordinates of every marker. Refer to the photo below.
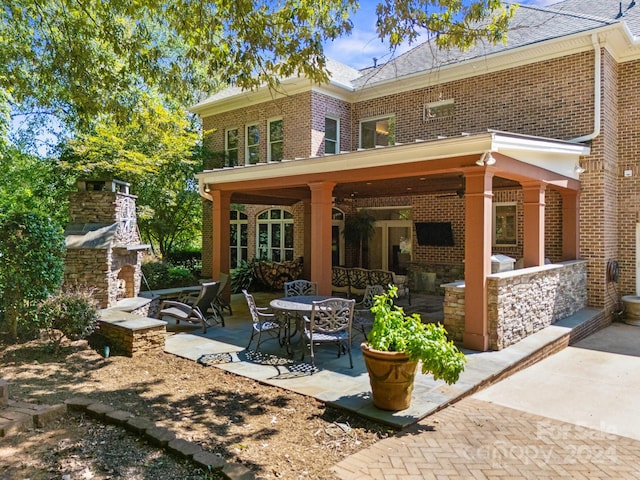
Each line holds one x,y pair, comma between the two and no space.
262,322
358,281
220,304
363,316
340,281
200,311
330,322
300,287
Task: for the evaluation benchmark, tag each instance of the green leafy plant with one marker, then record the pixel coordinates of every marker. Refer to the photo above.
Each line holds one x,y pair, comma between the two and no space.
31,266
395,331
72,313
244,276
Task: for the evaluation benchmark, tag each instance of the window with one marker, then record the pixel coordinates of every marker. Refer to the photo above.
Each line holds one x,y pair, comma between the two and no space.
380,132
504,223
238,239
252,144
231,148
274,151
331,135
275,235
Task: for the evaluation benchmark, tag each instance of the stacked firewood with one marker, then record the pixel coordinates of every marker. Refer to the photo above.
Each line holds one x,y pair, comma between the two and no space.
275,274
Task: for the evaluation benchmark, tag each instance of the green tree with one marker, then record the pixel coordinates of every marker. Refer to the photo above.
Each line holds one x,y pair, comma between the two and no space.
31,265
76,60
31,183
159,152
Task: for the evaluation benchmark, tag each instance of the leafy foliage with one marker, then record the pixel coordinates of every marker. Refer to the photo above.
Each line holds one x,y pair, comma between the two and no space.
244,276
452,22
76,60
394,331
359,229
166,275
159,153
30,183
72,313
31,265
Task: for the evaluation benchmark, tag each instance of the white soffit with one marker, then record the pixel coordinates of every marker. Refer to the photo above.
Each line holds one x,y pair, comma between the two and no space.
554,155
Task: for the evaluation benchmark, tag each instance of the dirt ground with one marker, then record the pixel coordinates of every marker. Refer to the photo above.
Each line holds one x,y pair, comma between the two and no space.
275,433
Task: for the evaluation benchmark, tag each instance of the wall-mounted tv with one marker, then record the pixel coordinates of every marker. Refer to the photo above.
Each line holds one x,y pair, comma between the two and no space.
437,234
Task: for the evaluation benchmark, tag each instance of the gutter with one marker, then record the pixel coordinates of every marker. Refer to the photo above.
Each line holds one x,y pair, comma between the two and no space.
597,104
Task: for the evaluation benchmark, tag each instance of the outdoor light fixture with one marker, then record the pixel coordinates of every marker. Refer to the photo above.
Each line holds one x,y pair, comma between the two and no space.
578,169
206,188
486,159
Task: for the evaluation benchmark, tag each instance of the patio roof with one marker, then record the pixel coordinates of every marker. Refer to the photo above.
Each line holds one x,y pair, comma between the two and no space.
419,168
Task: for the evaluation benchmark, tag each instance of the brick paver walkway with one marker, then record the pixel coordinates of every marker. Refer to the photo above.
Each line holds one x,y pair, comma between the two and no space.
474,439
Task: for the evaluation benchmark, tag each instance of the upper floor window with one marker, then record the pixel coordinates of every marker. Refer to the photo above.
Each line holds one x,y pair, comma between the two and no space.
275,235
378,132
505,224
331,135
231,147
252,144
274,142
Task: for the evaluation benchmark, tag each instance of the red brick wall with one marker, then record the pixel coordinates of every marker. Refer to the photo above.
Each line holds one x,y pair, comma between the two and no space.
628,187
553,98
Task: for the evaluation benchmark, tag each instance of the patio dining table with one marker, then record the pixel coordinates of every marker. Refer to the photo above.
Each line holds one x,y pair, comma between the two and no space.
295,308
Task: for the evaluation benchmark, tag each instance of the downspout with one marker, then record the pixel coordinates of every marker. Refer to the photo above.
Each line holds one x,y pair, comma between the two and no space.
597,108
204,191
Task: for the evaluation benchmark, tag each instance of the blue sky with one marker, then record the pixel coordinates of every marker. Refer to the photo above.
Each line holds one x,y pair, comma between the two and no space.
359,48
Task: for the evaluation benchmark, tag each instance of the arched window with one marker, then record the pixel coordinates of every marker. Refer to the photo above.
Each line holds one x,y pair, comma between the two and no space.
275,235
238,243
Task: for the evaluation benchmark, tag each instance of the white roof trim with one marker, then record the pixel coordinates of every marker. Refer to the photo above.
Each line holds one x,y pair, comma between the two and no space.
554,155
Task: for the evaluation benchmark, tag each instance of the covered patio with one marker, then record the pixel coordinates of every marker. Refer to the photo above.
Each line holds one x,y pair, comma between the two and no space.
333,382
476,165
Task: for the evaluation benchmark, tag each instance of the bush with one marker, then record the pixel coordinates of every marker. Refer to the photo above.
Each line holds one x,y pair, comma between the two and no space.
31,265
190,259
72,313
165,275
244,276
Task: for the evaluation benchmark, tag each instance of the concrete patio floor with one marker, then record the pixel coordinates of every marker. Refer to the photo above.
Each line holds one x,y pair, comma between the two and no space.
334,382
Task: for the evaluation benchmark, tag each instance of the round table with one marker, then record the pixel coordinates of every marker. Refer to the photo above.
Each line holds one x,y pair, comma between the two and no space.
300,304
295,308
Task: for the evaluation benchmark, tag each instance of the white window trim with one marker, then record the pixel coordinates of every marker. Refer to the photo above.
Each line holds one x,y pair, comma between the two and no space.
270,221
269,122
226,140
239,222
371,119
246,141
337,120
494,240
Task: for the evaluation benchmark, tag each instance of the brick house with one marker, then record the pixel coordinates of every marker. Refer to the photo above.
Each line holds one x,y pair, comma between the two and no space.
527,149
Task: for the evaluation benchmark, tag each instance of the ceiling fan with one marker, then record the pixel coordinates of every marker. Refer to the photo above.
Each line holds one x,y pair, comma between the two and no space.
458,193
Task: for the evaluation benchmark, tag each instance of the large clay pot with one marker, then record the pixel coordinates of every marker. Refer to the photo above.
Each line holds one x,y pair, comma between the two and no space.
391,375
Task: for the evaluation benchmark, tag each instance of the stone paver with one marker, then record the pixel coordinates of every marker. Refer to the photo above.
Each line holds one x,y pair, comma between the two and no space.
482,440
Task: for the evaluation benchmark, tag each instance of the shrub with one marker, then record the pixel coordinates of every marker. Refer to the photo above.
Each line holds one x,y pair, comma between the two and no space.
165,275
72,313
244,276
31,265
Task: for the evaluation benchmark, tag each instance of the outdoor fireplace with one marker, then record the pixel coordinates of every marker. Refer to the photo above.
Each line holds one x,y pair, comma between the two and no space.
104,250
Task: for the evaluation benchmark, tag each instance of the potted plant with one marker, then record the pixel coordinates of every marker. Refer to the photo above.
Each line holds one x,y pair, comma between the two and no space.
396,344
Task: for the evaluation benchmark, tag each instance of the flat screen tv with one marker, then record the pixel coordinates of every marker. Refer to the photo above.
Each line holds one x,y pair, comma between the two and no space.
437,234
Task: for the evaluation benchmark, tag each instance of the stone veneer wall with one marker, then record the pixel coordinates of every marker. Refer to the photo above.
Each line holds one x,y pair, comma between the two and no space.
100,268
521,302
134,343
88,267
453,310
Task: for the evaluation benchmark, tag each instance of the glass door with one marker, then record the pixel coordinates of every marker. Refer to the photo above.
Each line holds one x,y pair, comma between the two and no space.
390,247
